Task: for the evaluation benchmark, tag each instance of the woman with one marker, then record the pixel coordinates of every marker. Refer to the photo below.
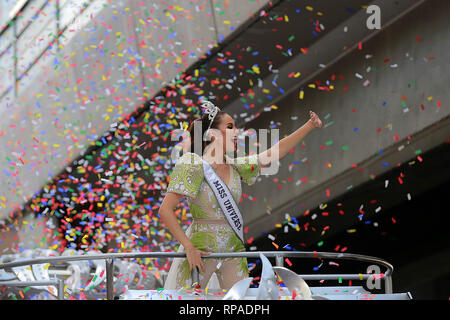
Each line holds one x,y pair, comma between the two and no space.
211,231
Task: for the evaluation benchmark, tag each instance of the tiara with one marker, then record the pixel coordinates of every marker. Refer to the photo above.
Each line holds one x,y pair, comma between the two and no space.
211,111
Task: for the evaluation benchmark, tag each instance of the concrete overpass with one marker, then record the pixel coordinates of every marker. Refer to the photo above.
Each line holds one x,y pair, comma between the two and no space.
87,70
71,72
383,105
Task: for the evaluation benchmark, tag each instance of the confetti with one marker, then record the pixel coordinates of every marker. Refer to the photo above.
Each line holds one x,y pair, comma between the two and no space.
114,194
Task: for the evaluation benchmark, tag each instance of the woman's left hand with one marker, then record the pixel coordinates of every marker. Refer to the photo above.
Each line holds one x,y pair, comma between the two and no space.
314,119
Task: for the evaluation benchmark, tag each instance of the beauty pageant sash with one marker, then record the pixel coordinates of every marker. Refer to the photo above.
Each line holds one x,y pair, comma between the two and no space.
225,200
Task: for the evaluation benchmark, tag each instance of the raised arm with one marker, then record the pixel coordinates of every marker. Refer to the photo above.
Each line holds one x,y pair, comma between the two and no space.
283,146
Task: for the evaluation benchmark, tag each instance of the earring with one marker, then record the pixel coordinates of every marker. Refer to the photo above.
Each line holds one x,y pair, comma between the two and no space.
207,136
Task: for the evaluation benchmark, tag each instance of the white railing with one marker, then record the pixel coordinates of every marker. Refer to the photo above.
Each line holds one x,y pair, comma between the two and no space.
278,255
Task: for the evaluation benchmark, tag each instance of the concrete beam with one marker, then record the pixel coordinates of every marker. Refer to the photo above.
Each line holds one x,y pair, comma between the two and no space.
327,51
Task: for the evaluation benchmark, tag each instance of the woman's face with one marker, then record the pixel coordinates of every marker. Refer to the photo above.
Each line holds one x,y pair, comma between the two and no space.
229,132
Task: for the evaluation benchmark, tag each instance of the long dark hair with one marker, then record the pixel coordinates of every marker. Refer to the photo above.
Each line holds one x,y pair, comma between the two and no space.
205,123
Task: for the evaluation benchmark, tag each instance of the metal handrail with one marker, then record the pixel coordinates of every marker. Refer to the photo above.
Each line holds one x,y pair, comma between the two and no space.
56,282
278,255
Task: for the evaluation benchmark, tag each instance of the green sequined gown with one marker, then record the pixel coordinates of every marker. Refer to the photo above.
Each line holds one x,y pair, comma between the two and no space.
214,235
